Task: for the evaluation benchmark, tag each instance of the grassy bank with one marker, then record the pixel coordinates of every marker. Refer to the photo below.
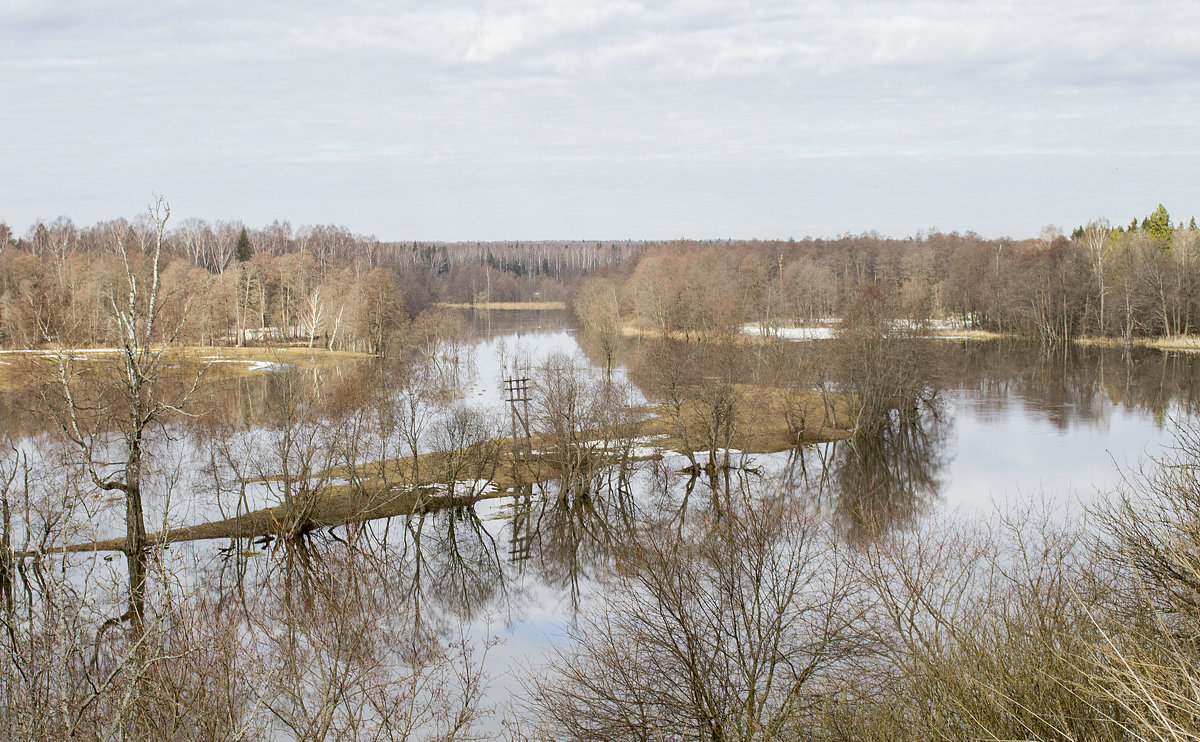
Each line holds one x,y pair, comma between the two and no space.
1189,343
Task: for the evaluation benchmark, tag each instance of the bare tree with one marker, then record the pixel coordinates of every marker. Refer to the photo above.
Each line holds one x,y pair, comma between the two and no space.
723,632
313,320
599,309
1096,240
141,403
343,665
467,445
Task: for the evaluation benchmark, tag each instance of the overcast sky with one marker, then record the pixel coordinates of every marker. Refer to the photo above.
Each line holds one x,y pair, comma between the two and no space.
591,119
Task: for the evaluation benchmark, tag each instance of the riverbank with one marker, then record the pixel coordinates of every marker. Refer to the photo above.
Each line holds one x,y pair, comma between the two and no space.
1185,343
753,333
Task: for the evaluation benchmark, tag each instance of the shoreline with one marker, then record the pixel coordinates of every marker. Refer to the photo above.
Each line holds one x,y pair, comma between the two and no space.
1184,343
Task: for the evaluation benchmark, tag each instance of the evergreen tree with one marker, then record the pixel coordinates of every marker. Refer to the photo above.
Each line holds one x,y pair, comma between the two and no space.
1158,225
244,248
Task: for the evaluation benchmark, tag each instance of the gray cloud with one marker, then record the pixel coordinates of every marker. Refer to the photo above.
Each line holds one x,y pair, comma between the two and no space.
601,119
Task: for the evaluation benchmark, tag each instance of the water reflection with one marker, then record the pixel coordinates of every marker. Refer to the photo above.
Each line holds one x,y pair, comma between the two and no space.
454,562
1076,383
489,324
444,568
389,590
887,476
563,528
1066,386
343,640
560,529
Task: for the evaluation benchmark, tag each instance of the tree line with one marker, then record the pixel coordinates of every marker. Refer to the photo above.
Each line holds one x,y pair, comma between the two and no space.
320,286
1104,281
323,285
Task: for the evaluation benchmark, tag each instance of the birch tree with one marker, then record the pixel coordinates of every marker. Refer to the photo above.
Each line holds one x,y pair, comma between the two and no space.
108,420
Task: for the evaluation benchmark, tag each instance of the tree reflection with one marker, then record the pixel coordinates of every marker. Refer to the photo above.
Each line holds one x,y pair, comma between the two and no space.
455,564
889,473
566,532
347,648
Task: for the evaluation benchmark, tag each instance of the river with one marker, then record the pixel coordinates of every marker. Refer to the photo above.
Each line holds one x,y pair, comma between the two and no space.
1012,426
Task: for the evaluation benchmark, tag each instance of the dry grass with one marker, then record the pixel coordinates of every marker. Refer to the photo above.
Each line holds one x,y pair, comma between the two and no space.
1107,342
970,335
741,338
335,506
782,418
767,420
21,368
634,331
1178,342
341,504
1188,343
298,354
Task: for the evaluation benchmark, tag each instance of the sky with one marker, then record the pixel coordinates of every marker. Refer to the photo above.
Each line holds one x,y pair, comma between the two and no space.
602,119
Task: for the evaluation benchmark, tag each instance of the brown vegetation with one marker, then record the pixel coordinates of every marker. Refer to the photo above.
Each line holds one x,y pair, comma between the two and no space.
356,293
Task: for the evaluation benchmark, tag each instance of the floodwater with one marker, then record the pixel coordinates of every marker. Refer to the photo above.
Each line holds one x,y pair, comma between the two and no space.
1012,425
1013,422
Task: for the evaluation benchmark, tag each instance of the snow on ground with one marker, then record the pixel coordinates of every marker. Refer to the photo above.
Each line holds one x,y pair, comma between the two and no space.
266,366
827,330
250,365
790,333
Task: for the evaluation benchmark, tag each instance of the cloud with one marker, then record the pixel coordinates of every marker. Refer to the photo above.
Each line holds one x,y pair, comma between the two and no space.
391,100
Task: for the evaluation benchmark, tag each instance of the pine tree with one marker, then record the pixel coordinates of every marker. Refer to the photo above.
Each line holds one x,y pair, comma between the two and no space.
244,248
1158,225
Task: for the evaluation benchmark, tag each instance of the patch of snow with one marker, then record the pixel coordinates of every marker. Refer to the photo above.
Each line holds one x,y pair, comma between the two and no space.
790,333
826,332
265,366
639,452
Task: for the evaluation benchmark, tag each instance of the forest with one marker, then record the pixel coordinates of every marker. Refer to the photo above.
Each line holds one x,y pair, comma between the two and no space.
354,293
262,484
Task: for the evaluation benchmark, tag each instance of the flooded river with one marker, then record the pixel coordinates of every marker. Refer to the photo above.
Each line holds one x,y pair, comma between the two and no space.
1012,425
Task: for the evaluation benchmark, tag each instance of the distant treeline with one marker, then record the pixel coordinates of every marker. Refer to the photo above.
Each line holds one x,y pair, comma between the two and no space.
326,285
319,285
1121,282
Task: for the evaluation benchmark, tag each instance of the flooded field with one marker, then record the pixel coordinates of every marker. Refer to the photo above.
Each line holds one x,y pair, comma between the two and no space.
498,531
